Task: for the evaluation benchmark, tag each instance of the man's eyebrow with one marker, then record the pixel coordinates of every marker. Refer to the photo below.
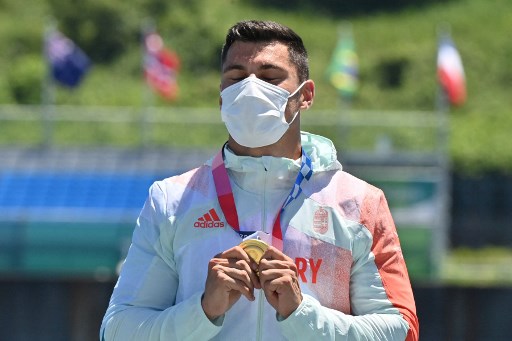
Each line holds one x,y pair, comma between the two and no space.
270,67
242,68
233,67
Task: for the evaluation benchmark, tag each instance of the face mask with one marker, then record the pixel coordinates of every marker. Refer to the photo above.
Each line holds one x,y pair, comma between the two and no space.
254,112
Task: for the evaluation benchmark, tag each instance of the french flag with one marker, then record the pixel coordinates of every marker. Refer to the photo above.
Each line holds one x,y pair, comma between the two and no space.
450,72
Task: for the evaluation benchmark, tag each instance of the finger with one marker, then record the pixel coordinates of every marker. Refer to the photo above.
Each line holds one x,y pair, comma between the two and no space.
273,279
255,278
271,275
251,269
277,260
241,270
246,264
237,257
274,254
238,269
240,253
231,278
220,290
283,294
235,252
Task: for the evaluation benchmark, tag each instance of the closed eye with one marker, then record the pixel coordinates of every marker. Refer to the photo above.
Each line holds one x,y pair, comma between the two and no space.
273,81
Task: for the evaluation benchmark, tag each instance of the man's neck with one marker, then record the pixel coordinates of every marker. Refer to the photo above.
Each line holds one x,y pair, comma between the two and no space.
282,148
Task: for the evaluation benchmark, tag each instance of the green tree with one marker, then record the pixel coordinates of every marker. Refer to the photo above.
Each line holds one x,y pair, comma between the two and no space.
24,79
104,30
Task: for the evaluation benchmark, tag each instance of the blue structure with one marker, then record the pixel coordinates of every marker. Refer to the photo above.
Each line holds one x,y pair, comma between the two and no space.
72,212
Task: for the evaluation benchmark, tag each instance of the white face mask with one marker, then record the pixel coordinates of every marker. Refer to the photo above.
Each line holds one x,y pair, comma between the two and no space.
254,112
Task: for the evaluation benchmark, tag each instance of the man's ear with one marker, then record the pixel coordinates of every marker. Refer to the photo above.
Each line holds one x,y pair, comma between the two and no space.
308,94
220,98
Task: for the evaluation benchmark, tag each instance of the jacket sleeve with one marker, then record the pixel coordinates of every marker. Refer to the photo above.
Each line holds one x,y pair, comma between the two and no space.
382,302
142,306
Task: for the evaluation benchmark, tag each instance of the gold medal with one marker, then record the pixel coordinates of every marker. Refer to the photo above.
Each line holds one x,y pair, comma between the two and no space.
255,248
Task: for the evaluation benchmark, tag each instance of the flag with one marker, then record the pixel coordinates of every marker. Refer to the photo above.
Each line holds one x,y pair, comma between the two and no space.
342,72
68,63
450,71
161,67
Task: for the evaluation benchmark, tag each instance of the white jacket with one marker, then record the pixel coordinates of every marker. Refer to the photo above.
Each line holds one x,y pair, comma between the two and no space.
339,231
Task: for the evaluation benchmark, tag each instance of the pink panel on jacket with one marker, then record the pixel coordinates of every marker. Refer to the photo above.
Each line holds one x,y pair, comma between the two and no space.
319,262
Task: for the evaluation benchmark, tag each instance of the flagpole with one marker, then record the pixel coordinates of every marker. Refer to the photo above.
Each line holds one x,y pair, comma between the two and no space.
440,242
345,33
344,131
47,91
148,26
442,102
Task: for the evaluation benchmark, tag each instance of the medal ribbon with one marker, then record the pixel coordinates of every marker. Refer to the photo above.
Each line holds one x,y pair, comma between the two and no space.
227,200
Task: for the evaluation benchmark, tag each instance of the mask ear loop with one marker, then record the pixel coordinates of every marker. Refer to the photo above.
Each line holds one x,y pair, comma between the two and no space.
293,119
295,92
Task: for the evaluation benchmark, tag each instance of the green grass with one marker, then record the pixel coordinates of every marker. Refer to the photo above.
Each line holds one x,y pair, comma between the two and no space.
195,29
478,267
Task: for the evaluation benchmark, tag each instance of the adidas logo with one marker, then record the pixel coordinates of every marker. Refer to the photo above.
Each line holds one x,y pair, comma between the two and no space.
209,220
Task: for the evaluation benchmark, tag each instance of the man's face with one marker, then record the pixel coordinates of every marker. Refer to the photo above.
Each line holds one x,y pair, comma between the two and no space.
269,62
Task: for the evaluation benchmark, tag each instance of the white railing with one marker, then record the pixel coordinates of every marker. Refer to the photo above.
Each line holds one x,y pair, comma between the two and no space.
343,124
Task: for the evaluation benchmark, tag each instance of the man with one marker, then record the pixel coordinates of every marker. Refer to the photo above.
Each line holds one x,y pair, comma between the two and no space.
331,266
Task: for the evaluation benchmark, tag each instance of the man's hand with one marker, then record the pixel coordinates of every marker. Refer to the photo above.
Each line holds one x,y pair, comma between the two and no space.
279,281
229,276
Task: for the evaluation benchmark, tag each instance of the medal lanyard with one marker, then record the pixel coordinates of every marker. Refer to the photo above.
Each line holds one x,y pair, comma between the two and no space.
227,200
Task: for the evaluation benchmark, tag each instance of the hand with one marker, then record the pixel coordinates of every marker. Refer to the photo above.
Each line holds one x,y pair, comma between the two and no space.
229,277
279,281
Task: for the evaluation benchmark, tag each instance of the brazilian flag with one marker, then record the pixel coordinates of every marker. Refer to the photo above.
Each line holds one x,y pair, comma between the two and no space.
342,72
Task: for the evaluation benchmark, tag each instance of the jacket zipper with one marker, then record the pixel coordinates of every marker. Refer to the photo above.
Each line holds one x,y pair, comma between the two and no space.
264,210
264,228
260,315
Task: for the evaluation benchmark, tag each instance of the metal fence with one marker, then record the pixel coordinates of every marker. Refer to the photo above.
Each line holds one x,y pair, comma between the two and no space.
420,132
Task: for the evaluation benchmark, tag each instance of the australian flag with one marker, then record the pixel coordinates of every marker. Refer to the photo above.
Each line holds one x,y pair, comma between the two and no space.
68,63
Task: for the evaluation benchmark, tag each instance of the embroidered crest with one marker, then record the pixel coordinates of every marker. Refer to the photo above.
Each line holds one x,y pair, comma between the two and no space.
321,220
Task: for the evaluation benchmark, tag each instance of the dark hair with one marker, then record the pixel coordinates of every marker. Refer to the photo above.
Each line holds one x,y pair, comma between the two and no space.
268,31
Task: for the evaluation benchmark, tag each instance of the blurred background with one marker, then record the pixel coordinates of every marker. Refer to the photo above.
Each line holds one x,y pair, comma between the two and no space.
100,98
